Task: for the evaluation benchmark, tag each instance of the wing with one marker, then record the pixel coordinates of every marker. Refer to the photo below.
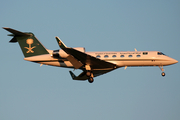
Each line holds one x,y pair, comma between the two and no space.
98,66
80,60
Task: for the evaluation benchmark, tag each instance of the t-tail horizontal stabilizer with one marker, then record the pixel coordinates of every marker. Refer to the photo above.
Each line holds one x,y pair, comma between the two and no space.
15,33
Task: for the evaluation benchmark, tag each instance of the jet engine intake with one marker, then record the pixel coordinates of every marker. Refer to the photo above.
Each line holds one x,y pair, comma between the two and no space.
59,54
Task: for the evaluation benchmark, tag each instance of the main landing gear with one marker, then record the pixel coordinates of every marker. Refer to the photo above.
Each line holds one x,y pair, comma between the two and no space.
91,80
90,75
163,73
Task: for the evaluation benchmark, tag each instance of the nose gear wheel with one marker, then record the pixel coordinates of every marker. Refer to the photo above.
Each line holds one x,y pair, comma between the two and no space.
163,73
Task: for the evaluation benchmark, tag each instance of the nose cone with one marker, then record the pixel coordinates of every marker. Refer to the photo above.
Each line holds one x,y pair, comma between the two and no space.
175,61
171,61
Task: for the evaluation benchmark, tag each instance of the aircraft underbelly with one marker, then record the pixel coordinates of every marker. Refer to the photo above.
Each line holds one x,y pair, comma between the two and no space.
143,63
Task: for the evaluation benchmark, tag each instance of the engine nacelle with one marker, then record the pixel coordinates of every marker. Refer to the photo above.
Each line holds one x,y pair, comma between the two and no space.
61,54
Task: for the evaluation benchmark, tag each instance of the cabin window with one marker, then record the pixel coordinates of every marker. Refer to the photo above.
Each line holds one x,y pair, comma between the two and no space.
138,55
130,56
106,56
114,56
122,56
160,53
145,53
98,56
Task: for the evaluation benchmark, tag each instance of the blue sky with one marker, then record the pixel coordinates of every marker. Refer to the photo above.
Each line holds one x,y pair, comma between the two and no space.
28,91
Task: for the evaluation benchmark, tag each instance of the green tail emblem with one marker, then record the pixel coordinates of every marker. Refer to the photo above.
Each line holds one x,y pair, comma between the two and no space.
30,42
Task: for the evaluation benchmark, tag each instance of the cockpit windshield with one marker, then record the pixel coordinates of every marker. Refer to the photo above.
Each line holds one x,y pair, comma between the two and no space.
160,53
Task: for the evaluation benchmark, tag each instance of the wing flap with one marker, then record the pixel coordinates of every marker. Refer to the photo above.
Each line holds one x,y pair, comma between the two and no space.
74,62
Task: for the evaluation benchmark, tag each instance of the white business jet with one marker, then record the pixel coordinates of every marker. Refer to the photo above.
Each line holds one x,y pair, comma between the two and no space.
92,64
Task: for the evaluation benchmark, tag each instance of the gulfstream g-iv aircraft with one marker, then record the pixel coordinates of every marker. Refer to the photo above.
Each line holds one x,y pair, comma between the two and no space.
92,64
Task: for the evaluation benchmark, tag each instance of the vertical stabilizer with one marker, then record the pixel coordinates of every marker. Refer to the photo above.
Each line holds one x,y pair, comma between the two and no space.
29,44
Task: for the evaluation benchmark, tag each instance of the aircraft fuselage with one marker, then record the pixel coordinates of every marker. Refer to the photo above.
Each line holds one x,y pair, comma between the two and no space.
121,59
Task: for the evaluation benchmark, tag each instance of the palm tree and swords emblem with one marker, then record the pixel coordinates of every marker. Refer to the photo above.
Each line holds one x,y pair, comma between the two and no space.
30,42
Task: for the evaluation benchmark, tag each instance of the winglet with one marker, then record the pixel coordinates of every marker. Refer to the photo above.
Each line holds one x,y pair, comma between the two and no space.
72,75
60,43
73,60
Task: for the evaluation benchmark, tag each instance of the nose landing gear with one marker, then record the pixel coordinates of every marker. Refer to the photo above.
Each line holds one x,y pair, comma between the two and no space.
163,73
